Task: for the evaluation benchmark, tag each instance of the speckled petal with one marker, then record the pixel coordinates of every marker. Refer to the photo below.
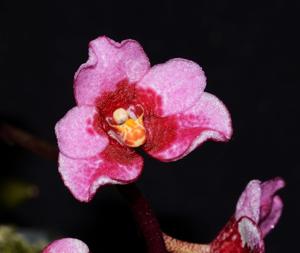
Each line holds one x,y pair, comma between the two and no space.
179,83
115,165
109,62
249,202
67,245
242,236
76,136
171,138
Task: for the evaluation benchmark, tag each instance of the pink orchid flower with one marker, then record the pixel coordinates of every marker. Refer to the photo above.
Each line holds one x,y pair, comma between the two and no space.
258,211
66,245
123,104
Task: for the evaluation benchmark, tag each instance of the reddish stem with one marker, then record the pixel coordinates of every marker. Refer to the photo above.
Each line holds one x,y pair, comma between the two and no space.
144,217
141,210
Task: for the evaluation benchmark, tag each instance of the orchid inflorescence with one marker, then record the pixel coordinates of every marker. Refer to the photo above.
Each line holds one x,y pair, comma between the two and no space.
123,104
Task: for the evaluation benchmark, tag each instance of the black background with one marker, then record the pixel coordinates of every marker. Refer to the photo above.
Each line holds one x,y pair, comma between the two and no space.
249,53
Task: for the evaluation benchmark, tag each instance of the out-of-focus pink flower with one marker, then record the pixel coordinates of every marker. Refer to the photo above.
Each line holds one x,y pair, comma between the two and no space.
123,104
66,245
257,212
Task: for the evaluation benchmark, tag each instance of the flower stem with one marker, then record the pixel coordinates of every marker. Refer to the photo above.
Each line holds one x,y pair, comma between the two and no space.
141,210
144,217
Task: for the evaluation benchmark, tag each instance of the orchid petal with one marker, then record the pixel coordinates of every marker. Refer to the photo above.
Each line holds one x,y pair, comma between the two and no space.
269,188
76,135
178,83
249,202
109,63
171,138
271,204
272,219
115,165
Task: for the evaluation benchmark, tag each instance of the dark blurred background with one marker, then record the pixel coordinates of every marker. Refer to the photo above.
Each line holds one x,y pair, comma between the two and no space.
248,50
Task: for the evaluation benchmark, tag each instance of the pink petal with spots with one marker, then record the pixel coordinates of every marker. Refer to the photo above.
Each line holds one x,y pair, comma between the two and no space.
242,236
109,62
76,136
179,83
67,245
113,166
249,202
171,138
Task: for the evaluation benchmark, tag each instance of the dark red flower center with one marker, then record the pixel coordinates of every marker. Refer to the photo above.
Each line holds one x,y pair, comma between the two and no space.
129,116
